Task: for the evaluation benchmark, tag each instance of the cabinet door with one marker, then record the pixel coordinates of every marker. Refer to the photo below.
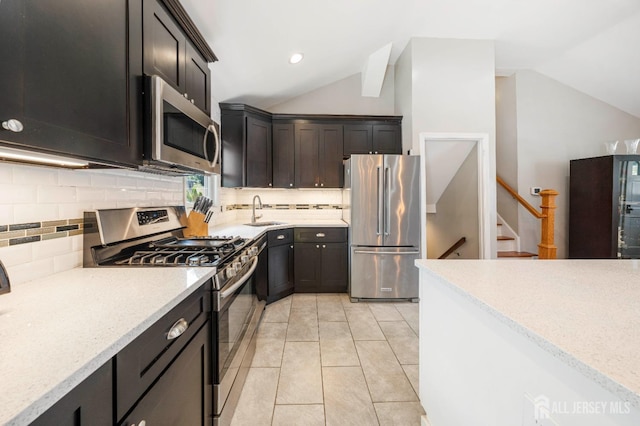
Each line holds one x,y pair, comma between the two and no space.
307,151
89,403
65,77
335,257
358,139
258,153
182,395
283,156
307,270
164,46
331,154
197,75
280,271
387,139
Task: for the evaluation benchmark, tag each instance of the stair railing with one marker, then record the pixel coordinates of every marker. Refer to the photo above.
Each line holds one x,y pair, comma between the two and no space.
453,248
546,248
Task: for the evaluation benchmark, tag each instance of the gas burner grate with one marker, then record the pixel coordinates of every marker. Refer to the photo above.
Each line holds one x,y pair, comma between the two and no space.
173,257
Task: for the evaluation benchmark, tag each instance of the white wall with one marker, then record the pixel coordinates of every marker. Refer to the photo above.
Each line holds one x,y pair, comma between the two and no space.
404,95
555,124
342,97
507,148
452,90
455,216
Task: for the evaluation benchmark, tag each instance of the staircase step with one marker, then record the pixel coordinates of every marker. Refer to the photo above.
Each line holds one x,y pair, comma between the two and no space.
505,238
516,254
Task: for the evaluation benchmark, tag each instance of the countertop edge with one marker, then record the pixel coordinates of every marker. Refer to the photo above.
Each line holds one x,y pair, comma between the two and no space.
570,360
59,391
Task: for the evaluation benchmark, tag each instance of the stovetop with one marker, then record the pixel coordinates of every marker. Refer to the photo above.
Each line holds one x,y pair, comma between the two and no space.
150,237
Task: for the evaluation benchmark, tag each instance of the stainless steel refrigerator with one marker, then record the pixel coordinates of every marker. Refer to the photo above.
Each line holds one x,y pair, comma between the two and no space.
382,208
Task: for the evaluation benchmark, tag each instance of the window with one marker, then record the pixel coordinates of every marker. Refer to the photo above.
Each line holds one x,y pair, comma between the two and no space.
194,186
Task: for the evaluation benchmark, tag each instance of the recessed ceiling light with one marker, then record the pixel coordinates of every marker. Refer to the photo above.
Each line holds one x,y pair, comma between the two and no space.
295,58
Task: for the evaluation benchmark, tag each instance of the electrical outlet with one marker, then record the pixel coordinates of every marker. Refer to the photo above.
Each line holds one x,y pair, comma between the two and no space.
537,411
535,190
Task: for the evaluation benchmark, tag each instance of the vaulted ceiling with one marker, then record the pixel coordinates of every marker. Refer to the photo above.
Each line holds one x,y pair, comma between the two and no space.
591,45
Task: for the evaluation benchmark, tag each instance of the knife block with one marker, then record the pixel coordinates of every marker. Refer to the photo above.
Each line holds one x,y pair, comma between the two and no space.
196,226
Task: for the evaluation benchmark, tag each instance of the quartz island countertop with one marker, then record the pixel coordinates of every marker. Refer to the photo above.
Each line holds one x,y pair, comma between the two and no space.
584,312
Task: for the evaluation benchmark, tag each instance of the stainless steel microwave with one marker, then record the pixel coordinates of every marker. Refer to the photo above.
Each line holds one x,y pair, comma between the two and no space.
180,139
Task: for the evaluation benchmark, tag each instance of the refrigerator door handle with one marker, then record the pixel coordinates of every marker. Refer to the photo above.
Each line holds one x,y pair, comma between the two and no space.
380,198
395,253
387,192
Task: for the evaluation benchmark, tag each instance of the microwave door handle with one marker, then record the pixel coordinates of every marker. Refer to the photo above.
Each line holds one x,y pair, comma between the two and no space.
213,162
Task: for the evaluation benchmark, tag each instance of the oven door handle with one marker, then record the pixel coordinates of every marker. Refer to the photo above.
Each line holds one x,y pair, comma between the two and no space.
229,291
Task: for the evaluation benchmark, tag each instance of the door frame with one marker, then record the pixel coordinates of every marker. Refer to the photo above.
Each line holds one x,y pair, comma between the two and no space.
484,186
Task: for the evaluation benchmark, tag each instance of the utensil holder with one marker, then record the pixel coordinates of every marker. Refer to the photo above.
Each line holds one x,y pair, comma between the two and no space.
196,226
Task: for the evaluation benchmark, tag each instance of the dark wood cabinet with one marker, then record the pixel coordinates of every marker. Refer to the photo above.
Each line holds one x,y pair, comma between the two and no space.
66,76
89,403
142,362
604,207
318,155
281,263
246,146
283,148
169,53
321,260
182,395
373,138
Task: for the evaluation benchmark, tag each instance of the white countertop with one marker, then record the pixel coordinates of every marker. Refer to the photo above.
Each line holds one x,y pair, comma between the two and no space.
56,331
240,229
584,312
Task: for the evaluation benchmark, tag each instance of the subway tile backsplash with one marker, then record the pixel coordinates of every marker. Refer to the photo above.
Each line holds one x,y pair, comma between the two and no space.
41,210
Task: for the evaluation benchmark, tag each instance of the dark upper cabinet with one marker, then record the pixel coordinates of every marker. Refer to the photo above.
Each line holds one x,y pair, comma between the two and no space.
246,146
169,54
283,148
373,138
604,207
318,155
89,403
65,76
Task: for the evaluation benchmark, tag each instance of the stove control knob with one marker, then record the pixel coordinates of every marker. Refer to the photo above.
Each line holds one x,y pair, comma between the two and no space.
244,259
231,272
253,251
237,266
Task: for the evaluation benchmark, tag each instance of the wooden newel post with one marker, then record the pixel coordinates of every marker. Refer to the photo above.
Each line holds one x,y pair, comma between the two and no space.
547,248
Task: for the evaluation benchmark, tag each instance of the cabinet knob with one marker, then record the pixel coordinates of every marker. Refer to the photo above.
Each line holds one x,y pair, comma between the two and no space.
324,246
270,184
290,184
316,184
317,245
13,125
320,235
291,246
322,184
280,237
375,152
370,152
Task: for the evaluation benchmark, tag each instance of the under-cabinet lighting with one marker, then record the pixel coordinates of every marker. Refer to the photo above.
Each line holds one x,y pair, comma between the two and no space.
295,58
20,156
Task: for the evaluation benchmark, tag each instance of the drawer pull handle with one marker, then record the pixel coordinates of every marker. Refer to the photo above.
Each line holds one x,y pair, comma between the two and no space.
177,329
280,237
320,235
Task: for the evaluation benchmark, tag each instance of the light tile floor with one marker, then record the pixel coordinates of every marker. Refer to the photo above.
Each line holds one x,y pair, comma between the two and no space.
322,360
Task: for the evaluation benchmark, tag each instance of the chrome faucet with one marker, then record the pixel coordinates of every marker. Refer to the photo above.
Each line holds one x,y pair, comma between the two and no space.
254,218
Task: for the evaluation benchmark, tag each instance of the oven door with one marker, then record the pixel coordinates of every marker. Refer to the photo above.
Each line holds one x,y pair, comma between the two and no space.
236,315
180,133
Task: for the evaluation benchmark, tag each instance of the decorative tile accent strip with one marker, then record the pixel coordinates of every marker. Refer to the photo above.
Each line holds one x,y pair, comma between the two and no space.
23,240
286,207
22,233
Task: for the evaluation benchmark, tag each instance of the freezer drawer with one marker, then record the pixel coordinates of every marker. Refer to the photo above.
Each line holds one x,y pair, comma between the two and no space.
384,273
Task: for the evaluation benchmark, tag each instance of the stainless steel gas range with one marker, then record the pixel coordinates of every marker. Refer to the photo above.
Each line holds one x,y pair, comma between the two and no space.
153,237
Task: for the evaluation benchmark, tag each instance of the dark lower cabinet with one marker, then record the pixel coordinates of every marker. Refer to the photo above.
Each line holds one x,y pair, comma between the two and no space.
182,395
281,263
321,260
89,403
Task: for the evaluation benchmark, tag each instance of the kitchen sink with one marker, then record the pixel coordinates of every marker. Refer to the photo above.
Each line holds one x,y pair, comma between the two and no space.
265,223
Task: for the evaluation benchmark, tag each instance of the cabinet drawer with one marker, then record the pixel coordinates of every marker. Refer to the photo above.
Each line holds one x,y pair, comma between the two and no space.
320,235
280,236
140,363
